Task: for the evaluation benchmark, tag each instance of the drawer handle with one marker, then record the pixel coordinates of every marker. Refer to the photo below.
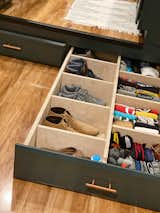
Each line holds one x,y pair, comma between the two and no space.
9,46
101,188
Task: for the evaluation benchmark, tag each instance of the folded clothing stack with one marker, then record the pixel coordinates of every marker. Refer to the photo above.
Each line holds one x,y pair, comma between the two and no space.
138,89
79,66
76,92
147,120
127,154
139,119
124,116
144,68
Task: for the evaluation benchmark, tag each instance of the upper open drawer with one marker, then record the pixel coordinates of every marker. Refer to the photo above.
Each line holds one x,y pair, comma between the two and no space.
31,48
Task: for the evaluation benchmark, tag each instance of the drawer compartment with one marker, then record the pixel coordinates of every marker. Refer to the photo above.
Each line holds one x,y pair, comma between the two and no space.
77,174
32,48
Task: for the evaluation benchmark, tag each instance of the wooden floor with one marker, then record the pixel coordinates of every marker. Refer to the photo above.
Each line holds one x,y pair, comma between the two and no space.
24,86
53,12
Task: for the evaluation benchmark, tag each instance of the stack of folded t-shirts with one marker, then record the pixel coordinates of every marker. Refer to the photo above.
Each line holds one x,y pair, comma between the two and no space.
124,116
144,120
147,121
138,89
127,154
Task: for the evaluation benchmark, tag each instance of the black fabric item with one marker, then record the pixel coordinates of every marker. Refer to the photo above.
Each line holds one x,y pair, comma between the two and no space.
126,142
127,82
140,124
147,87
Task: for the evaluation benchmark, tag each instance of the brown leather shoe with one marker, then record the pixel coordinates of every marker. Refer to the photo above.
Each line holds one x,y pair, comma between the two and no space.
57,122
77,125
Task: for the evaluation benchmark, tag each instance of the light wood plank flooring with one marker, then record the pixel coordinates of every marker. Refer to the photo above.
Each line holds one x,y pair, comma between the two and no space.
23,88
53,12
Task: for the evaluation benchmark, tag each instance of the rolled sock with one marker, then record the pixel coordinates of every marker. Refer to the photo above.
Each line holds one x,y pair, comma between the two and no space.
112,160
124,115
137,152
132,166
138,165
120,161
147,114
150,168
125,109
126,142
150,71
124,92
148,155
144,167
145,92
123,66
156,167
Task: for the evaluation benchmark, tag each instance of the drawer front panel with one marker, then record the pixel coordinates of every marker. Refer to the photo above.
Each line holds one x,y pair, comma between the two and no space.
32,48
87,177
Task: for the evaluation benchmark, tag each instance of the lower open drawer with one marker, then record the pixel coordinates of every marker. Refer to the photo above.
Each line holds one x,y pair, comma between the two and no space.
80,175
41,159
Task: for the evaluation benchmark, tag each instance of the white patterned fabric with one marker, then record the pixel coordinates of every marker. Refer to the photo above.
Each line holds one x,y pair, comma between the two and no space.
118,15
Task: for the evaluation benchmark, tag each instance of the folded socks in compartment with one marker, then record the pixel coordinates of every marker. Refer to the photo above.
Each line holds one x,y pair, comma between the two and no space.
79,66
78,93
140,157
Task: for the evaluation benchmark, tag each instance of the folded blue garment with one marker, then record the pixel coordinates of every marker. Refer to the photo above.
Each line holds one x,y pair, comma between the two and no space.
124,115
148,155
138,165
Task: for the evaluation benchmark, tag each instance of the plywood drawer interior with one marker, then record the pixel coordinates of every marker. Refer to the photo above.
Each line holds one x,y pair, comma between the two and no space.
48,138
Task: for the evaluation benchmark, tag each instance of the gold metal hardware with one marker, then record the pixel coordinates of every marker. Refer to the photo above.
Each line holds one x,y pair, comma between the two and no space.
9,46
101,188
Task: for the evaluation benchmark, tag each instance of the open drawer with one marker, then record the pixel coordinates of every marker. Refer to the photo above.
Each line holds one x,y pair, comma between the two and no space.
40,160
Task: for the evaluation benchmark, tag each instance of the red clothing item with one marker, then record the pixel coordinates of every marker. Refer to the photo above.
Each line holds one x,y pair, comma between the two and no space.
125,109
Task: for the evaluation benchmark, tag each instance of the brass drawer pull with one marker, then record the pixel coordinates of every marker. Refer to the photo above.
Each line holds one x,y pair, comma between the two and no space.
94,186
9,46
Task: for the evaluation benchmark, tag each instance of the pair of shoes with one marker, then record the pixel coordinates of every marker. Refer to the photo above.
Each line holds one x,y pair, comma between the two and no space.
60,118
76,92
79,66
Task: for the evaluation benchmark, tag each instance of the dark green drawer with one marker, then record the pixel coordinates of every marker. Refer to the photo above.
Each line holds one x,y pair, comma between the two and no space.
36,165
32,48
